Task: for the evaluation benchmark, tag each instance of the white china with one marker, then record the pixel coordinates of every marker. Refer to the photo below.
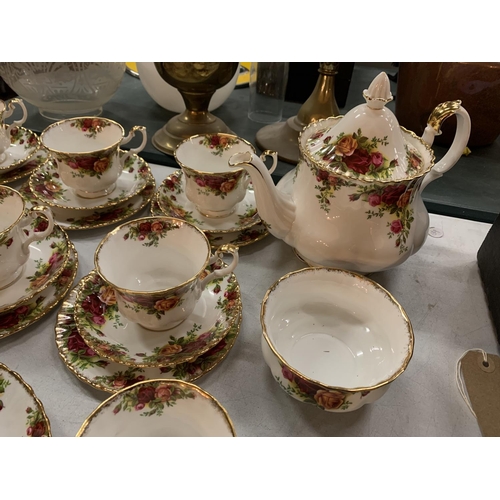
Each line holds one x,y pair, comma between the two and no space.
40,304
173,202
80,220
46,261
111,336
21,413
7,155
334,338
25,169
48,187
159,408
24,144
109,376
17,233
213,187
86,151
166,261
356,196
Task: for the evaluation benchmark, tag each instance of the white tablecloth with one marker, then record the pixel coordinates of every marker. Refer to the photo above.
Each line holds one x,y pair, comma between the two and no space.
439,288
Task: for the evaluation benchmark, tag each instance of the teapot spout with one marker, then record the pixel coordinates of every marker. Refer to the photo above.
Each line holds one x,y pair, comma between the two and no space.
275,208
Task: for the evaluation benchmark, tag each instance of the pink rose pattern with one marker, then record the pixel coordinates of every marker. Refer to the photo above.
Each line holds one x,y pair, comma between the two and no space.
153,398
90,126
150,232
218,185
218,143
309,392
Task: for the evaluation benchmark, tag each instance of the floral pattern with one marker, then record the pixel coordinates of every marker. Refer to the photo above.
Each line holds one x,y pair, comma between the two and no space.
151,398
48,184
245,237
154,305
35,423
218,143
150,232
393,200
45,269
309,392
217,185
93,166
91,126
20,136
23,171
4,194
3,385
248,217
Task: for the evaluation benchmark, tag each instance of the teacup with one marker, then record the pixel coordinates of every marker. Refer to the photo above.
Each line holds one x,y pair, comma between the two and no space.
157,268
213,187
86,151
15,239
6,110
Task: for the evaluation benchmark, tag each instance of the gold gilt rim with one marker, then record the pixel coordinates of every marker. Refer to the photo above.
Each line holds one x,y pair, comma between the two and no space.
31,392
50,281
19,162
173,381
93,342
208,231
57,298
346,175
110,204
405,317
244,243
21,215
59,329
195,170
150,219
77,153
15,175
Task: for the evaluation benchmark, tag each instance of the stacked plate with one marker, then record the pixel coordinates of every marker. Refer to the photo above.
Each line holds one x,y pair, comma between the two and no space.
134,189
105,350
242,227
48,275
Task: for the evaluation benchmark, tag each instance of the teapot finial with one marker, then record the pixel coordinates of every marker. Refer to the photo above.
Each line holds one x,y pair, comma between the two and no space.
379,92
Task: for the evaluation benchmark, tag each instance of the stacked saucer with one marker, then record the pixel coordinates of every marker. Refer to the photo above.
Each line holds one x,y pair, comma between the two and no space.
134,189
242,227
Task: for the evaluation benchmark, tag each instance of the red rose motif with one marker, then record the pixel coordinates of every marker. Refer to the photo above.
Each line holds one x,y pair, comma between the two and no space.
22,310
98,320
8,320
306,387
231,295
359,161
38,430
86,162
214,182
374,199
391,194
139,406
377,159
8,243
145,394
200,181
77,345
145,227
87,123
288,374
329,400
215,349
41,226
163,393
214,140
321,175
93,305
396,226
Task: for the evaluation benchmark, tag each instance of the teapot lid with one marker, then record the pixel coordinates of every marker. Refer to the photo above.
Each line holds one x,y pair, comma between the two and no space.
367,143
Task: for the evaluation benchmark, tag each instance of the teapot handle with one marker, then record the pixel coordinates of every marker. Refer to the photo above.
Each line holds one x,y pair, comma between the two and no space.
436,118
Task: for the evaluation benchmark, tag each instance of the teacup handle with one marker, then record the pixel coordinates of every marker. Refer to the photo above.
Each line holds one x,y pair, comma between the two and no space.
10,110
129,137
274,156
33,213
219,273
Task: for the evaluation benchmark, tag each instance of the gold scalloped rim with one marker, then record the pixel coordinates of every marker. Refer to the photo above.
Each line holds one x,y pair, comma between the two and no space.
20,162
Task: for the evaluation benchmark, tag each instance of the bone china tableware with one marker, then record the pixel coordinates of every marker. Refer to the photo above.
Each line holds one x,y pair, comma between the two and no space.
356,195
159,408
40,304
86,151
333,338
166,260
109,376
213,187
25,169
15,249
21,412
112,336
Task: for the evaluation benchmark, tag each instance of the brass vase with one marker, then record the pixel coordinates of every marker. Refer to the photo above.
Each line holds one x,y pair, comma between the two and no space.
197,83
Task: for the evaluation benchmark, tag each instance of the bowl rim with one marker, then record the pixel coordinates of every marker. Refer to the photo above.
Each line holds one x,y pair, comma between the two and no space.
118,394
372,283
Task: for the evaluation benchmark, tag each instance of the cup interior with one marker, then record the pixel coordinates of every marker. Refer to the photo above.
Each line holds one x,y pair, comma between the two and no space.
152,254
210,153
11,207
81,135
337,328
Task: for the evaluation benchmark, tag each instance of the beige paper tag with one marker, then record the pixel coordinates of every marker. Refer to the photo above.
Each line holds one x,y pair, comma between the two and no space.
483,387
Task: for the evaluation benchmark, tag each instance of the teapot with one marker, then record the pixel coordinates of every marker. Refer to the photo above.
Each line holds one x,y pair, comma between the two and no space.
354,200
6,111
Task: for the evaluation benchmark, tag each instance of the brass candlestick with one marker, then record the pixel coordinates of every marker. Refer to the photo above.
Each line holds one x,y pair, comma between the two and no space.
197,83
283,136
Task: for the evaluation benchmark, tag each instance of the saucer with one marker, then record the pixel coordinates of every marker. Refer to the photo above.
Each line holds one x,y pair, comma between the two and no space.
25,169
23,145
47,186
21,412
159,408
110,335
31,311
47,260
76,220
173,202
237,238
109,376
